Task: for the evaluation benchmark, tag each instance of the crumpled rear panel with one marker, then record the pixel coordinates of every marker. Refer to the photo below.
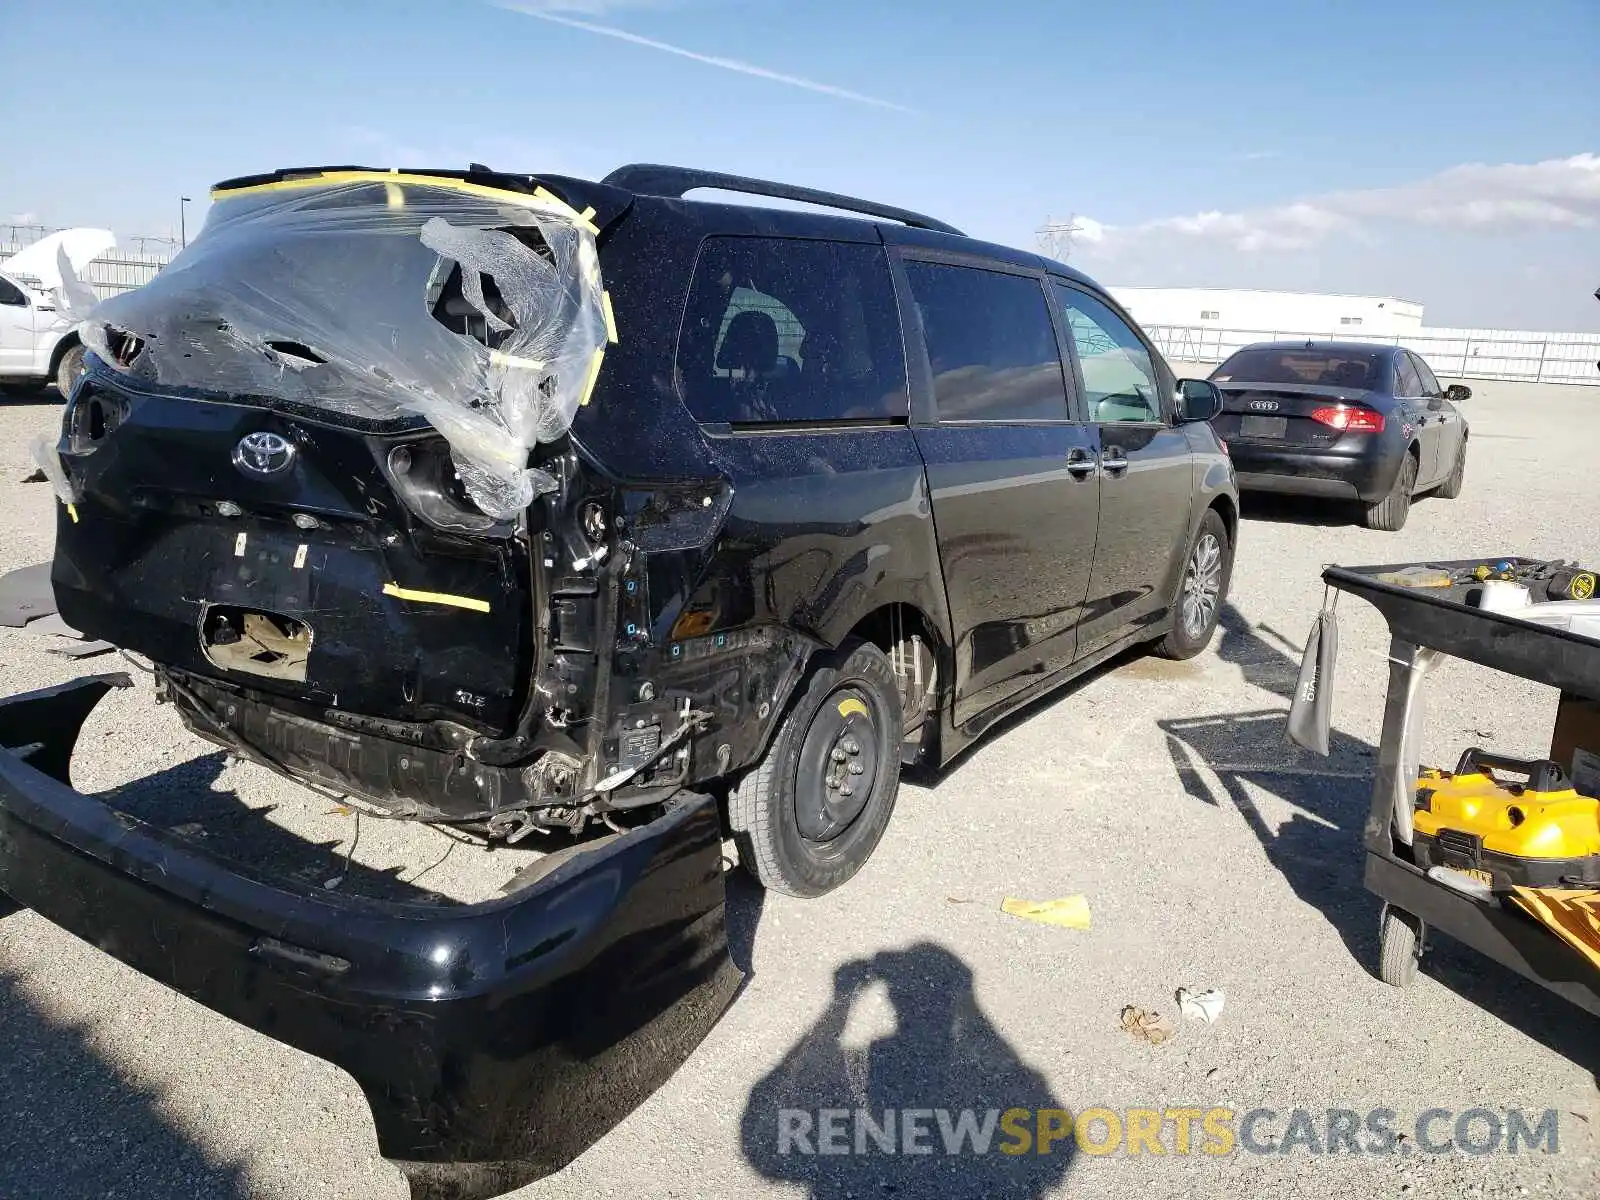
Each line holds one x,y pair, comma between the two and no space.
378,295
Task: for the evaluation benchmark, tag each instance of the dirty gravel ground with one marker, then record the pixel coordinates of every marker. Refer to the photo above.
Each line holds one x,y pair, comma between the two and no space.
1212,856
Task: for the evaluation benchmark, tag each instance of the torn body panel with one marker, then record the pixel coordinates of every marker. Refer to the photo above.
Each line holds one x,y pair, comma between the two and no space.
169,531
378,295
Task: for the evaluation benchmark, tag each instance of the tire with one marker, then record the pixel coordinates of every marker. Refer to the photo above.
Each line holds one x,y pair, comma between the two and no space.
1400,938
796,831
1390,513
1451,487
1202,588
69,370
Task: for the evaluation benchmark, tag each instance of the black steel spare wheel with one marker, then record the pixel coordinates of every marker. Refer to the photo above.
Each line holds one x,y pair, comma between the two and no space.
838,765
813,809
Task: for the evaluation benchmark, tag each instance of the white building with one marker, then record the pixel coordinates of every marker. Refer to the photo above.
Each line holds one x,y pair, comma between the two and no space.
1329,315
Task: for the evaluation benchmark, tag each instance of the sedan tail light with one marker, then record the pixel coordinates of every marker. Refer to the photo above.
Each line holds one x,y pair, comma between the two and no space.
1351,420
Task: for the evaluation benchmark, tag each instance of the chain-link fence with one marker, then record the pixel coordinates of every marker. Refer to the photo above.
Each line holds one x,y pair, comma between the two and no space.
1457,353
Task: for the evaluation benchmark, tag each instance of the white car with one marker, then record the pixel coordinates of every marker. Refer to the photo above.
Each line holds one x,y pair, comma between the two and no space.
38,342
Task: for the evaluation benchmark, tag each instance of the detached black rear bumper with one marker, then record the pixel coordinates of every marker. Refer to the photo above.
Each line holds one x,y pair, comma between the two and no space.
494,1042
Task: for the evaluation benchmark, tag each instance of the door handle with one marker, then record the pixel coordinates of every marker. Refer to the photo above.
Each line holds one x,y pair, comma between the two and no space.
1080,465
1113,460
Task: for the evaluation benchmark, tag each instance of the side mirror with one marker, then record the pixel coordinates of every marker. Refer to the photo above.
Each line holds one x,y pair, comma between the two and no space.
1198,400
1457,392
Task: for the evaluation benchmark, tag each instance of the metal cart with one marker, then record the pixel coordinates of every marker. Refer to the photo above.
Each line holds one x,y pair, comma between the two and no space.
1426,624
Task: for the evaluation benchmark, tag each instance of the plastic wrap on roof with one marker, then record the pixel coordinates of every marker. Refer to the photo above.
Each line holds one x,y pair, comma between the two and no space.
379,295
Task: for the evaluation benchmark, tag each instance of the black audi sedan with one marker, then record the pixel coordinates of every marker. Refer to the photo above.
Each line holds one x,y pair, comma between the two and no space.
1345,421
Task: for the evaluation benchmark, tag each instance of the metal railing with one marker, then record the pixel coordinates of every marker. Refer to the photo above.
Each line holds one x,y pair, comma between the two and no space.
1457,353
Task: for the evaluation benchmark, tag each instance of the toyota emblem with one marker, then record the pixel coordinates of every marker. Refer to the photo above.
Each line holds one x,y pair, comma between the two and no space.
1264,405
263,454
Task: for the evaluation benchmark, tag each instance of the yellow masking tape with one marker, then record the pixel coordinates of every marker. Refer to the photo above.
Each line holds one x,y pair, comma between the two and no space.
611,317
72,511
540,199
550,198
498,358
400,593
852,705
395,194
586,220
594,373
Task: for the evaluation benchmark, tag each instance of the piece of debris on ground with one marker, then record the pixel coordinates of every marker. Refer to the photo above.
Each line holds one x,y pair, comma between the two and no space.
26,595
1200,1006
1148,1026
1069,912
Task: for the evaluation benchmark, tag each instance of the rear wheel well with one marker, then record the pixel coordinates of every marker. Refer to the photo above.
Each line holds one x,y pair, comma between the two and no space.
921,665
1230,517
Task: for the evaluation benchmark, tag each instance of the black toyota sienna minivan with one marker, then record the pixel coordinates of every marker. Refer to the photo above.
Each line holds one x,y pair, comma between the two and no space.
519,504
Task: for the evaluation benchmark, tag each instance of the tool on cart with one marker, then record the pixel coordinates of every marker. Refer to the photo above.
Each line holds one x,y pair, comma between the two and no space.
1554,579
1571,585
1572,916
1502,853
1539,833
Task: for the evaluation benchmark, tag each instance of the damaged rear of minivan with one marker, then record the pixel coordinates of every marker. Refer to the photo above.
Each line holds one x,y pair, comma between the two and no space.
319,474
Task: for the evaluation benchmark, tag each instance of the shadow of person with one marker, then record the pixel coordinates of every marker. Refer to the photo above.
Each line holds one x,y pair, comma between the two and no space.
916,1107
1318,849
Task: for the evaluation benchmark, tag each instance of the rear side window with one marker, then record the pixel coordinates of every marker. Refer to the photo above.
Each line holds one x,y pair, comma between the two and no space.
991,344
1406,382
1430,383
11,294
788,331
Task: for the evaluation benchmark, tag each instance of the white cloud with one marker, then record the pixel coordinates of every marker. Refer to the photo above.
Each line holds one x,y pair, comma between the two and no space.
1556,193
1088,230
23,218
544,10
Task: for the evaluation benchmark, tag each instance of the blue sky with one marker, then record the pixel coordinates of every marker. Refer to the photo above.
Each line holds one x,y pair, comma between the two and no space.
1442,150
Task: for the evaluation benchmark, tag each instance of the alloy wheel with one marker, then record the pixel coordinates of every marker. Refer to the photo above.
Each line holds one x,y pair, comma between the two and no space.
1202,585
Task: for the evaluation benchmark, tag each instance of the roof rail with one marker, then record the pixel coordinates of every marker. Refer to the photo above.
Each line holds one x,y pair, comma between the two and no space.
651,179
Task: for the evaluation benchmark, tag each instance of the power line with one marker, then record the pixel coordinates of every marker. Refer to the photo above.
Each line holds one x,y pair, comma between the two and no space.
1055,238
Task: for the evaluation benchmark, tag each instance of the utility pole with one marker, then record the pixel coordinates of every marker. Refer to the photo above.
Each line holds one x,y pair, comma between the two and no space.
1054,237
183,226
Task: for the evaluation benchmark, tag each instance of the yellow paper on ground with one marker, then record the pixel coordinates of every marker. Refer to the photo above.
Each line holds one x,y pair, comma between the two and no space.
1069,912
1571,914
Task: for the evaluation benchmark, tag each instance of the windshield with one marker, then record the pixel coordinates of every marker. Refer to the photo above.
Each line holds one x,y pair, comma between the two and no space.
1326,368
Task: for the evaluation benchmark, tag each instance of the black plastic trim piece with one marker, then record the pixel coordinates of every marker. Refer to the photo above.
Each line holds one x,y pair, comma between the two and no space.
655,179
